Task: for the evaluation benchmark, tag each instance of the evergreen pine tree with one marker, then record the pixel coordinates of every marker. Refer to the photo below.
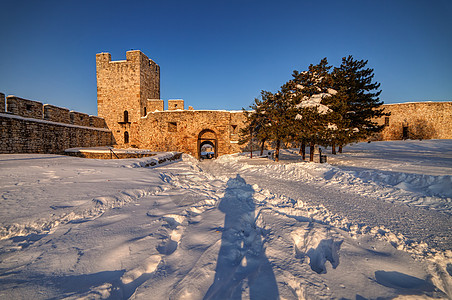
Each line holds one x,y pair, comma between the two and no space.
308,88
356,104
272,119
281,115
256,122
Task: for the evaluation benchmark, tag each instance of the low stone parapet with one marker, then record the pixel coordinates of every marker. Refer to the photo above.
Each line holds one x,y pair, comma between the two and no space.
111,153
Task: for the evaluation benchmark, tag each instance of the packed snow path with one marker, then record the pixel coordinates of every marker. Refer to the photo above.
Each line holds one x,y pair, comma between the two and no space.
367,209
230,228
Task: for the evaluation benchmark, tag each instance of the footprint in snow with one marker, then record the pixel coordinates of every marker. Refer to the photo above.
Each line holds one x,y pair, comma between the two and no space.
327,250
171,235
316,244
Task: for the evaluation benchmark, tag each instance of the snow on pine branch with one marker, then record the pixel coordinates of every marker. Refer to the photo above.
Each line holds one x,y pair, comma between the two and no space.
315,102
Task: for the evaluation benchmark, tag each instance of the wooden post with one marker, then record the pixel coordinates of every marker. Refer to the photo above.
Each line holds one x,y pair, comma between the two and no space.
311,150
251,143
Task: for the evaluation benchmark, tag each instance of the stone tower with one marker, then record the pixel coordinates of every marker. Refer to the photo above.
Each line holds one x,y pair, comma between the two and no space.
123,90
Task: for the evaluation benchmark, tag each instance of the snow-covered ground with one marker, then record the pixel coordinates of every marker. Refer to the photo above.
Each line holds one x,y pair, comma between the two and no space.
375,222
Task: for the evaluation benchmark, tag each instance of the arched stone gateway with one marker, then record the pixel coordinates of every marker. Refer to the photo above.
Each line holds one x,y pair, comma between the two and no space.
207,137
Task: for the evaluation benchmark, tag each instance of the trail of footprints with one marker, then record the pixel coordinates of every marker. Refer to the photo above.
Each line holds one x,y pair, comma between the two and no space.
311,246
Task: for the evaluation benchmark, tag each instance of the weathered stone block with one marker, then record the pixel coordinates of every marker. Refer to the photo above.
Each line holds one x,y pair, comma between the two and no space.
34,136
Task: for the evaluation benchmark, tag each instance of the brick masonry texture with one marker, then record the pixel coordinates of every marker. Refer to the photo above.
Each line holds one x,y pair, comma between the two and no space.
175,104
155,104
31,136
97,122
79,118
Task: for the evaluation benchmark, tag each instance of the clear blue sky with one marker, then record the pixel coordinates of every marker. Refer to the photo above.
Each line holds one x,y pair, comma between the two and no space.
219,54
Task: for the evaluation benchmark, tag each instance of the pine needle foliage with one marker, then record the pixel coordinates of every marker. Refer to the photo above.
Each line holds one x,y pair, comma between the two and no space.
318,106
356,104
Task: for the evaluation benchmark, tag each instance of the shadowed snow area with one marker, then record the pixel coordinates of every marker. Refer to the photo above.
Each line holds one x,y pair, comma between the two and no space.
375,222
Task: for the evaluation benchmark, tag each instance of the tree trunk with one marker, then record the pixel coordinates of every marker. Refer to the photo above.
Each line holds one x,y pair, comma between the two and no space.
262,147
333,149
251,144
340,148
278,142
303,150
311,150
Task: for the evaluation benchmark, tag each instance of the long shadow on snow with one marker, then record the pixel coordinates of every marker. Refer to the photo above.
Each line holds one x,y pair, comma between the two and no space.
68,285
241,259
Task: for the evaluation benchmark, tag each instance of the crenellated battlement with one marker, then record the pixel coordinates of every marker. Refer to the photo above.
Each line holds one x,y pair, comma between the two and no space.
37,110
29,126
176,104
23,107
154,105
2,102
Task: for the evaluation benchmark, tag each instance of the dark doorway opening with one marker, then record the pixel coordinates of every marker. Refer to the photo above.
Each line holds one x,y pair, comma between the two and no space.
207,144
405,132
126,137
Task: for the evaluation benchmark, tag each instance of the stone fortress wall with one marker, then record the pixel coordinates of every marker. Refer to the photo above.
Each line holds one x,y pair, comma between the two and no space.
32,127
132,115
417,120
123,90
128,99
188,130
